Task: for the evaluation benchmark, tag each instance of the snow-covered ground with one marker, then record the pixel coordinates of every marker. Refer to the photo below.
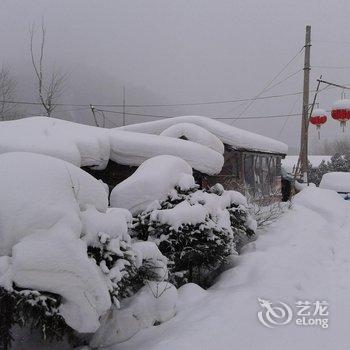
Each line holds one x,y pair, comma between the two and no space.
304,256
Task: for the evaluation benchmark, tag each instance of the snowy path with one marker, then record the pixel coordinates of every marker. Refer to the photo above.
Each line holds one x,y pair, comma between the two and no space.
303,256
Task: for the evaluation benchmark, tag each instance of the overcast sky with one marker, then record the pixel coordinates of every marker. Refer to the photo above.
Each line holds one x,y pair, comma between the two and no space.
179,51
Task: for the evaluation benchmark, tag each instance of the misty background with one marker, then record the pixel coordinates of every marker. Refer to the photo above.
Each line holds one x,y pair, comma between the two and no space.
184,51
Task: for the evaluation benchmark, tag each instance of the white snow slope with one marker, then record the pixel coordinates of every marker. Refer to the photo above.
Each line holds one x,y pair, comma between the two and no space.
228,134
303,256
84,145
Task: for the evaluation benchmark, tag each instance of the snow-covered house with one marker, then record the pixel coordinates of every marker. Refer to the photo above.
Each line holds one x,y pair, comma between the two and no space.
217,152
252,163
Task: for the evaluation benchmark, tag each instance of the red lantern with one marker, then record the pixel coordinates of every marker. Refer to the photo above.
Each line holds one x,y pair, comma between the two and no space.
318,117
341,112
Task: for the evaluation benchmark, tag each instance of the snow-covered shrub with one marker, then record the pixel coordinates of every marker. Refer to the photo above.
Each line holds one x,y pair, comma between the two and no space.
66,259
338,162
196,230
33,309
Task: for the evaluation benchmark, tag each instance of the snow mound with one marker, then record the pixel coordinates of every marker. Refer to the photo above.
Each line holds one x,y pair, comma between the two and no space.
46,205
38,191
190,293
155,302
327,203
152,181
228,134
132,148
336,181
195,133
90,146
55,261
78,144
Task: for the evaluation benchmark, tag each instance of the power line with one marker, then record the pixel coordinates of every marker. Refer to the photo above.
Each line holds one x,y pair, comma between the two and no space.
213,117
202,103
332,67
332,42
268,86
161,105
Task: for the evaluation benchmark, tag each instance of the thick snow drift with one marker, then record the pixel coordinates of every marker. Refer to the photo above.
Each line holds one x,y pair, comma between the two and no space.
78,144
304,256
84,145
152,181
336,181
228,134
132,148
155,302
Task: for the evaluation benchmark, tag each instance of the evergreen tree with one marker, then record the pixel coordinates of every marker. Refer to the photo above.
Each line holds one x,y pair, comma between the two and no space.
196,251
32,309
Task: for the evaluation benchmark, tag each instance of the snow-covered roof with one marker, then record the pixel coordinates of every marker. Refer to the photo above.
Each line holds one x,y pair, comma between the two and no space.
337,181
290,162
84,145
228,134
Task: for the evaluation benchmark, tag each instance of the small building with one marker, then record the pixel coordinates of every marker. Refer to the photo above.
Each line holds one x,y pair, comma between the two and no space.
217,152
252,163
255,174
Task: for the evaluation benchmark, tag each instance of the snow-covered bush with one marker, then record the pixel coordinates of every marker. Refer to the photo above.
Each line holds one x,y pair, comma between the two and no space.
338,162
33,309
196,230
66,259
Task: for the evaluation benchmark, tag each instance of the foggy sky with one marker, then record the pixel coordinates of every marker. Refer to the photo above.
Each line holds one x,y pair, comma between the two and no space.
179,51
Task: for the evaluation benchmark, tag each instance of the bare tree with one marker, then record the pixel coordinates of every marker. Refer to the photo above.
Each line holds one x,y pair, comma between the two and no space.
50,86
8,85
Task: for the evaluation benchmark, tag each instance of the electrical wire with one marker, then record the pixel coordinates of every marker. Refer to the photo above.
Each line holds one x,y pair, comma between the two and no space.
160,105
213,117
268,86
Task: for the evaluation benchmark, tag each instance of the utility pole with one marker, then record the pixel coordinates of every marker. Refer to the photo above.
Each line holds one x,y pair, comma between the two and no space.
123,105
303,158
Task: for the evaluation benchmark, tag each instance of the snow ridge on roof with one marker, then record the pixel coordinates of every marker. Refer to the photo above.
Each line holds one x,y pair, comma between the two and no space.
228,134
84,145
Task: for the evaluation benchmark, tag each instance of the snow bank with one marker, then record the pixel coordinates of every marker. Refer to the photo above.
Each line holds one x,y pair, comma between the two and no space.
90,146
152,181
336,181
228,134
155,302
326,203
196,134
304,256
